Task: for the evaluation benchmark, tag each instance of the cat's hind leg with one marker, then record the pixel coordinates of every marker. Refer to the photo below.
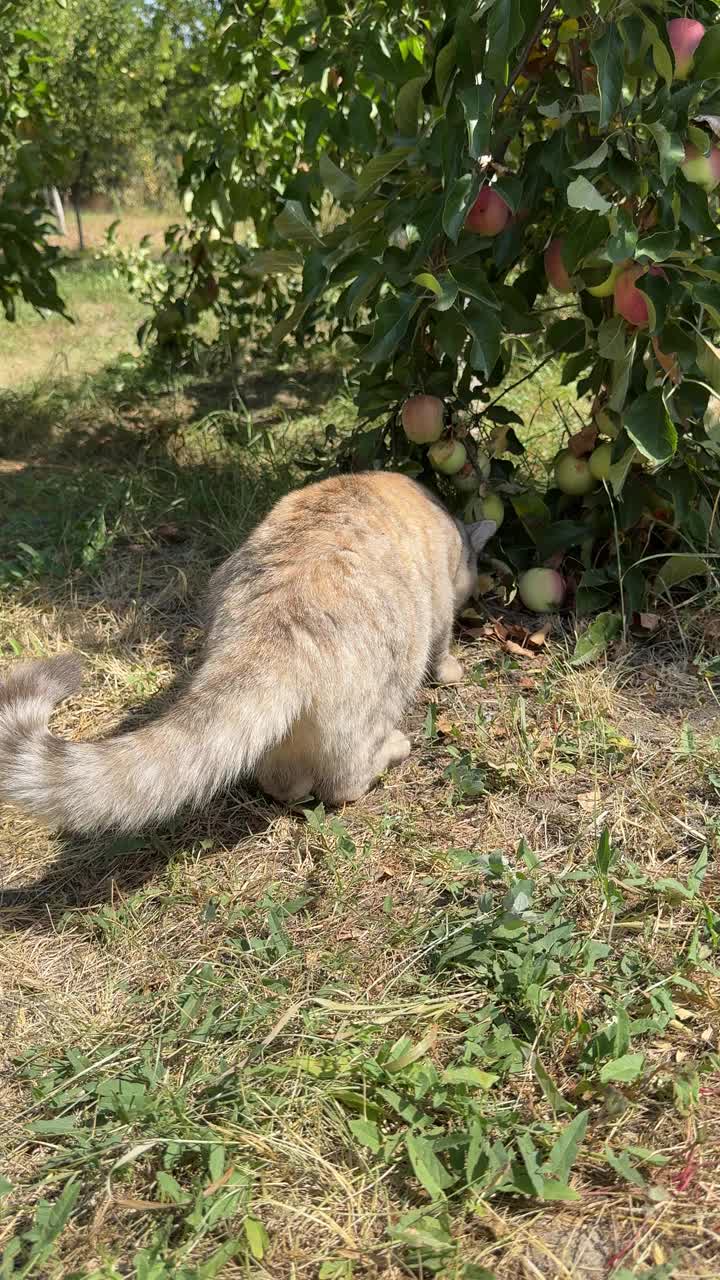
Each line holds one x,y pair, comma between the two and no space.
363,768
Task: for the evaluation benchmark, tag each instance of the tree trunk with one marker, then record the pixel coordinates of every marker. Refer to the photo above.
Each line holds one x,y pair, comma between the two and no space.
75,195
56,205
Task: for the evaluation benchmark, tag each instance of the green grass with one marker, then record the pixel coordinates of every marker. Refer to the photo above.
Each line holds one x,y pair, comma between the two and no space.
467,1028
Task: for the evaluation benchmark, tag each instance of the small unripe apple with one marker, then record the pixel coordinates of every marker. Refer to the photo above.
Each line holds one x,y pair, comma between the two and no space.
684,35
607,286
541,590
466,480
555,268
493,508
422,419
573,475
703,171
489,215
448,456
630,303
599,462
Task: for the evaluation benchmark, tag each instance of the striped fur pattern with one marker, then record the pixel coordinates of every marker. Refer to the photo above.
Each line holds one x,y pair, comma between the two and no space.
322,627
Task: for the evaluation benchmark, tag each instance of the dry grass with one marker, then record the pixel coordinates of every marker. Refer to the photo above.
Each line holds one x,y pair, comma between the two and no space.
253,967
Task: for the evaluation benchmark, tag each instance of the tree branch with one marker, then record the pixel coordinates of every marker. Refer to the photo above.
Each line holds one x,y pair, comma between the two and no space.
539,27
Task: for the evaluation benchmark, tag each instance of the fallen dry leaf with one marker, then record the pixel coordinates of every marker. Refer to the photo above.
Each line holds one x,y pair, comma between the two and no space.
648,621
511,647
539,638
588,801
443,725
583,441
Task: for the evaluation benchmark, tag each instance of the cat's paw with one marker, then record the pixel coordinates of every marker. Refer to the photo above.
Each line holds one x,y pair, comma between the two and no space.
448,670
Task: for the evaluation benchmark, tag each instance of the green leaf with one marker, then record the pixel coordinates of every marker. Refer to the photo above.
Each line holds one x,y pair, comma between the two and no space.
57,1127
529,1155
472,1076
553,1191
409,104
391,324
428,281
485,328
445,68
338,183
680,568
257,1237
565,1148
658,246
5,1186
662,59
605,628
377,169
611,338
608,55
477,103
273,262
421,1231
706,63
472,281
550,1089
622,1165
650,427
367,1134
604,854
624,1069
594,160
671,149
581,194
428,1170
460,197
505,27
620,470
293,224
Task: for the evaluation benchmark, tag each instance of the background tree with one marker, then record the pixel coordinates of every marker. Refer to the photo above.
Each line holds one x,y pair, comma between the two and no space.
29,160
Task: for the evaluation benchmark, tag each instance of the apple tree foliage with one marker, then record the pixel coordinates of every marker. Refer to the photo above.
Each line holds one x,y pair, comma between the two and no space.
29,159
355,140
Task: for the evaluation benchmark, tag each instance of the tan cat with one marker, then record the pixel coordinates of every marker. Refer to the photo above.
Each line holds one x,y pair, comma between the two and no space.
322,628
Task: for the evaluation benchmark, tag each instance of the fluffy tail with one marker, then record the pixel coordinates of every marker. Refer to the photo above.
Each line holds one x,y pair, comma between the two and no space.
218,729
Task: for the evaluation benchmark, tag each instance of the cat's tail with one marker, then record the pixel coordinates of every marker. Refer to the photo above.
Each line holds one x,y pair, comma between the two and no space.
218,729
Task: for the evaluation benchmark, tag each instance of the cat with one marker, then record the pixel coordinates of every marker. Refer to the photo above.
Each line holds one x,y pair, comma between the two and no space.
322,627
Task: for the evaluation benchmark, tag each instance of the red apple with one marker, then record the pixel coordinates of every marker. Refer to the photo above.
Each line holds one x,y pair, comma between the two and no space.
555,269
684,35
489,215
630,303
422,419
703,171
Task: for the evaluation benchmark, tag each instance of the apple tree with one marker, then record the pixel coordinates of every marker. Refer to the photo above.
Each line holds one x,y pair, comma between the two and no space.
472,194
29,160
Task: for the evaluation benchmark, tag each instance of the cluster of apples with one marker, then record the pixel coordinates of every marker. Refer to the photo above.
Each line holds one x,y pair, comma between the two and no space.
423,420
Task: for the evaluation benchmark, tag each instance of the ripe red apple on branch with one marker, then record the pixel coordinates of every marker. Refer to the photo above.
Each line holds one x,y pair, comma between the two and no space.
422,419
555,268
630,302
684,35
489,215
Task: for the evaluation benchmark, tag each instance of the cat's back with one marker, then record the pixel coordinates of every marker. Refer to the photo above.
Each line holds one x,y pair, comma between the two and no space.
336,529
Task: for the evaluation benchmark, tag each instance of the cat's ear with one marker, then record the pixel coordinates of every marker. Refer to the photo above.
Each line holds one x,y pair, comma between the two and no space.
480,533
